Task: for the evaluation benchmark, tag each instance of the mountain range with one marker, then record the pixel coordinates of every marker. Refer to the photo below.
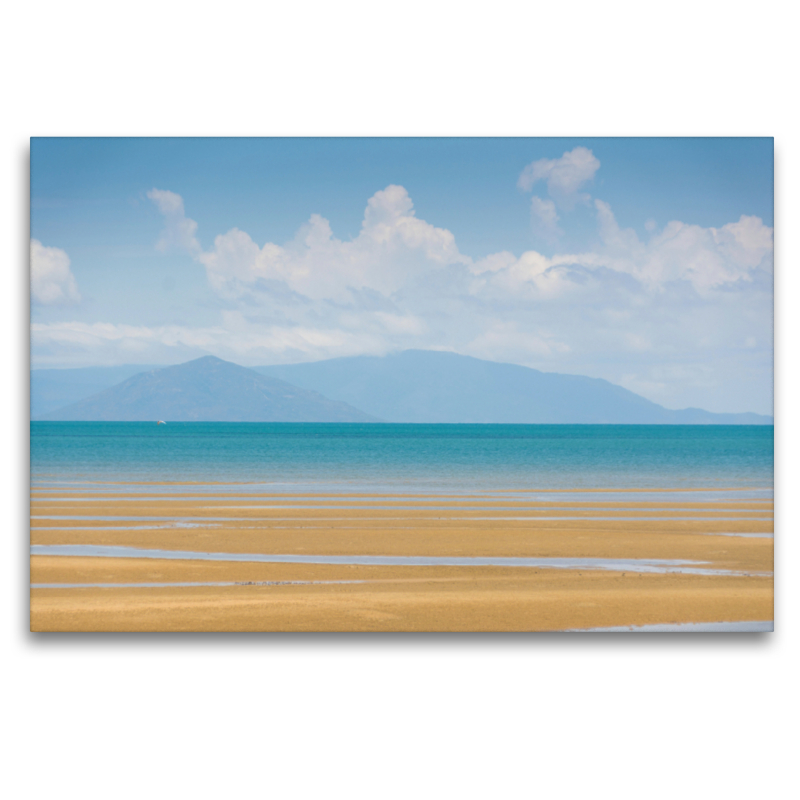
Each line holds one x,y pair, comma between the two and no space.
410,386
208,389
433,386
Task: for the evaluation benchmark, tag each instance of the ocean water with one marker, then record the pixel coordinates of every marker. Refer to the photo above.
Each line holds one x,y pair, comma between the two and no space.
406,458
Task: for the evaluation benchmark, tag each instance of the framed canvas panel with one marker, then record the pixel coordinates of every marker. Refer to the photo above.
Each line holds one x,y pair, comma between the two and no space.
382,384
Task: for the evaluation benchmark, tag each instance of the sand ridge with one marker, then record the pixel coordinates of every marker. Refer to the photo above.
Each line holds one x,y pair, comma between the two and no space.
397,598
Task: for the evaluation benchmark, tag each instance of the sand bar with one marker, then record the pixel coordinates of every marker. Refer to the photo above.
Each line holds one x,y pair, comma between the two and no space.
405,597
408,599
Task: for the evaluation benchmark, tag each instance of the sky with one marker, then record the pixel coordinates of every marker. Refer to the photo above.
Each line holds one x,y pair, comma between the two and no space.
647,262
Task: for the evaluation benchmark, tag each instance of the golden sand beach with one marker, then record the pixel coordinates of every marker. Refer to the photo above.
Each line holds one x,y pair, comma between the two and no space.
730,540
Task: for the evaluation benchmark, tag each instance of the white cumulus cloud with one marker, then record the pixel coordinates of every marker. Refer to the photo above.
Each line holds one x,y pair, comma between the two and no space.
392,248
52,281
564,176
179,230
670,313
544,218
706,257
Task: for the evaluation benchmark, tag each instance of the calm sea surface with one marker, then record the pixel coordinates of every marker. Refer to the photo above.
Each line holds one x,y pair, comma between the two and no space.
405,458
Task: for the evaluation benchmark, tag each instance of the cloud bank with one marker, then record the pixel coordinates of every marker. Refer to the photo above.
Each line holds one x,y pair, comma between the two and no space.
674,316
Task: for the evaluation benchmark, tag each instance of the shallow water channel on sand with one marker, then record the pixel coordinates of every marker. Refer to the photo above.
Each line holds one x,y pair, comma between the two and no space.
762,626
656,565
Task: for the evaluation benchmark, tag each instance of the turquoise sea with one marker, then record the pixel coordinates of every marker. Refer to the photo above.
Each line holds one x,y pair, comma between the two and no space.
404,457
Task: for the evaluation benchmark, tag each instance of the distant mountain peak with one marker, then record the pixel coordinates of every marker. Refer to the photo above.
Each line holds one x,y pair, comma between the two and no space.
209,360
422,386
209,389
443,386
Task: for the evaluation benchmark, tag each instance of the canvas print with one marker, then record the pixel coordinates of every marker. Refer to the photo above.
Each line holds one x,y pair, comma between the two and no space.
401,384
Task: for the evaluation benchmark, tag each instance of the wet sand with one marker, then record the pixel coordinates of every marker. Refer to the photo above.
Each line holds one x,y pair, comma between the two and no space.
408,598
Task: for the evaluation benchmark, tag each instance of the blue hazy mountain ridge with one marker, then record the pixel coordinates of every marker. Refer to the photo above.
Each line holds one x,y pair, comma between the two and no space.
411,386
208,389
52,389
434,386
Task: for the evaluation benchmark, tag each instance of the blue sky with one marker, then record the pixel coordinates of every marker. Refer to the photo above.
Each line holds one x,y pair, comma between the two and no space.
643,261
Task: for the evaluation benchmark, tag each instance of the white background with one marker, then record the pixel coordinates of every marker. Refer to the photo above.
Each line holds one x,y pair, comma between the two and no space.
397,716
